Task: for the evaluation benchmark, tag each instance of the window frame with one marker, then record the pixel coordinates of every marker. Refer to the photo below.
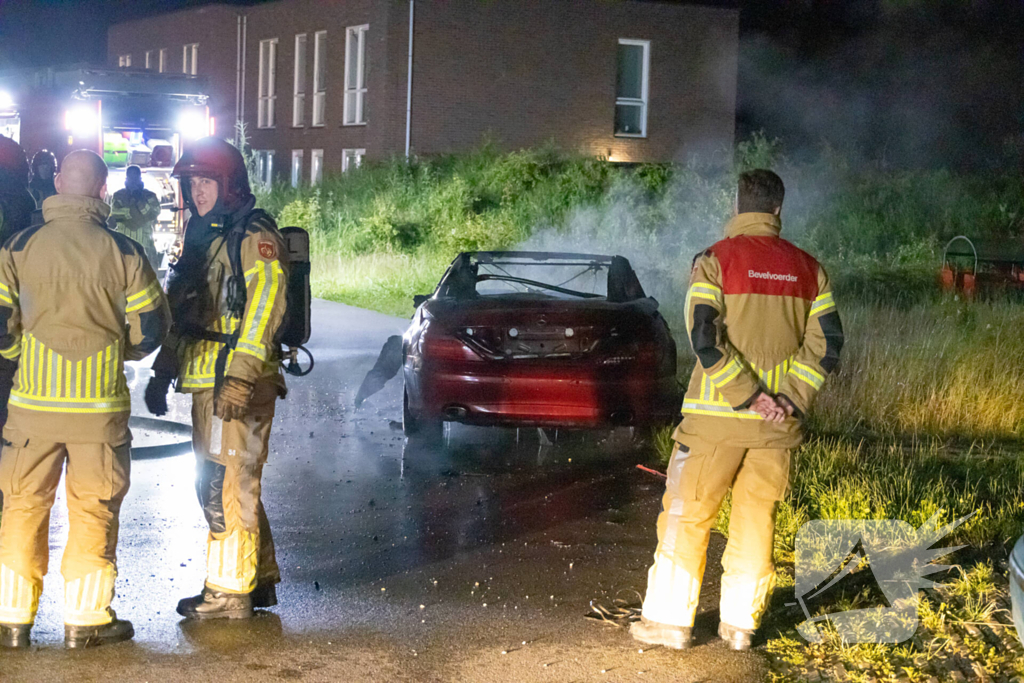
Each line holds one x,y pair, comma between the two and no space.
353,153
148,58
124,61
266,109
299,80
162,60
319,118
265,166
190,50
644,101
316,166
296,171
358,90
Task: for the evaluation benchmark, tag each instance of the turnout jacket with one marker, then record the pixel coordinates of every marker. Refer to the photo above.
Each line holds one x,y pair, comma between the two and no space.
760,317
198,294
76,302
134,213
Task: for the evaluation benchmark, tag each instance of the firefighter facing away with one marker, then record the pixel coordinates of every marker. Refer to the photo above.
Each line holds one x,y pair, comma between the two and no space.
227,296
76,302
133,212
764,326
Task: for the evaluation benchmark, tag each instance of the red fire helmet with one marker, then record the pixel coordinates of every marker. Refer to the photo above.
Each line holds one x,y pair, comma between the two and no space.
218,160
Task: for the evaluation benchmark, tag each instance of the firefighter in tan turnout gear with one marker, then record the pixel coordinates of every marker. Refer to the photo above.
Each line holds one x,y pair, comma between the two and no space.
764,326
133,212
227,296
76,302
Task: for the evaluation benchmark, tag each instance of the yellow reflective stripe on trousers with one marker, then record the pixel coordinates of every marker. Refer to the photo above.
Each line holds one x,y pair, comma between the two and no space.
231,562
19,598
822,304
6,295
87,599
807,374
140,300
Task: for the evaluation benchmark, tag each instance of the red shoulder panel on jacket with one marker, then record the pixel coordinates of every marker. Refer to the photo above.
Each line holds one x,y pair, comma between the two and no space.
766,265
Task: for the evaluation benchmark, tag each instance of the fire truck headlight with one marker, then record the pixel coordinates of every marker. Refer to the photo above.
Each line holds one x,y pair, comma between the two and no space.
192,125
81,120
6,101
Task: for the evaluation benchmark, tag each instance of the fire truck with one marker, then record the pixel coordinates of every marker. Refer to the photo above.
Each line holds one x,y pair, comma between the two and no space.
129,116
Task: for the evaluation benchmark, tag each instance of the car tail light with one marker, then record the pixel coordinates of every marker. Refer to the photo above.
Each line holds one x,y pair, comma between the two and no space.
447,348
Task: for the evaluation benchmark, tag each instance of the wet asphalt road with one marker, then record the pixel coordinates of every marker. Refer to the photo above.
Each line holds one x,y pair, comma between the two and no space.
475,562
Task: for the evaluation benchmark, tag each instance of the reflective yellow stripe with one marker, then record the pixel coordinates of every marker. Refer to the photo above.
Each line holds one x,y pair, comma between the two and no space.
140,300
822,303
231,562
6,295
87,599
727,374
716,409
807,374
13,351
19,597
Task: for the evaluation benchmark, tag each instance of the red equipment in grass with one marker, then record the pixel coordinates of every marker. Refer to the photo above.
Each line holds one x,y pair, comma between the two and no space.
970,265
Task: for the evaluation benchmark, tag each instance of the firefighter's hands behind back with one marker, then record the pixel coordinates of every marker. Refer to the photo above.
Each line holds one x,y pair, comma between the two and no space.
768,408
156,393
232,400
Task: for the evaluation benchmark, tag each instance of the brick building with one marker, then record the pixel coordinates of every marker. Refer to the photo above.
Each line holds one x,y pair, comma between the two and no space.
319,84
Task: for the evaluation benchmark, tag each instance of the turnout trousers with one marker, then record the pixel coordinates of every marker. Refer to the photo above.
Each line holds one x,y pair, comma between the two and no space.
97,480
229,469
699,476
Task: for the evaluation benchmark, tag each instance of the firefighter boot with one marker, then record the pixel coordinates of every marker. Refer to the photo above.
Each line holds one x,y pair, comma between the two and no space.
654,633
93,636
736,638
211,604
14,636
264,595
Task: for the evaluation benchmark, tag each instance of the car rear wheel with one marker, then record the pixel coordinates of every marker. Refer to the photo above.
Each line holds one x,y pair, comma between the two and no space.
424,429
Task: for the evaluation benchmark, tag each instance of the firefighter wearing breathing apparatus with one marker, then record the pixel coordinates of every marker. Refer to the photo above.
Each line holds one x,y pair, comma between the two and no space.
765,329
227,293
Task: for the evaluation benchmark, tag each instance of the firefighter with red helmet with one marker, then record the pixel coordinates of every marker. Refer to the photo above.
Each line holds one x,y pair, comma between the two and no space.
227,295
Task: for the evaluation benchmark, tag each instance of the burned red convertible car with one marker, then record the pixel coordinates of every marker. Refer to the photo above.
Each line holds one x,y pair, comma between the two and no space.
520,338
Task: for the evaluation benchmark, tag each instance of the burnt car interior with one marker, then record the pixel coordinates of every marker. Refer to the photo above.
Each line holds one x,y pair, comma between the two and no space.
527,275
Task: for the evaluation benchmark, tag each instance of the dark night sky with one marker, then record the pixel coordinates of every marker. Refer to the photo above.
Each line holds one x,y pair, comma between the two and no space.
916,82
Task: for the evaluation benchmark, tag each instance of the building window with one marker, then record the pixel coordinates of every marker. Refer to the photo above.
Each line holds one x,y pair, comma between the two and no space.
265,166
316,169
355,75
124,60
299,94
162,60
190,59
149,59
296,167
351,159
319,78
267,83
634,62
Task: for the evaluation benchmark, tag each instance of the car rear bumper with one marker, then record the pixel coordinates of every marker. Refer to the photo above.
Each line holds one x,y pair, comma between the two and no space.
551,398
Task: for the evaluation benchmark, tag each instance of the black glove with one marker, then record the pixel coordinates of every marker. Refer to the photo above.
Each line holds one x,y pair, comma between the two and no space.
156,393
